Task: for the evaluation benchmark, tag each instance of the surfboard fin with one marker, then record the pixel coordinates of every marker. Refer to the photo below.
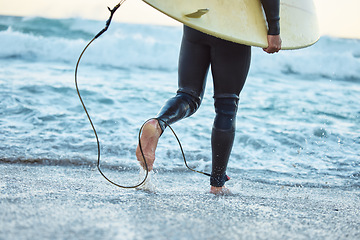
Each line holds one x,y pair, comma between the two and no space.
198,13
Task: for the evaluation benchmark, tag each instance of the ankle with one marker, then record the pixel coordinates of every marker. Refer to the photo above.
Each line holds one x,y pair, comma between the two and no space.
154,123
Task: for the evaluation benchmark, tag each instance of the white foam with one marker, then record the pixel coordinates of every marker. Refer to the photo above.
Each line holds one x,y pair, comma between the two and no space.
149,184
156,47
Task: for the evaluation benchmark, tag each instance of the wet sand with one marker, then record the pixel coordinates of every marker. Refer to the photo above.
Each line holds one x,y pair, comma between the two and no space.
75,202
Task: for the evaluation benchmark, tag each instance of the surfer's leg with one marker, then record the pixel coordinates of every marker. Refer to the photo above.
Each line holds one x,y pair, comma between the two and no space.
181,106
194,61
230,63
222,138
230,66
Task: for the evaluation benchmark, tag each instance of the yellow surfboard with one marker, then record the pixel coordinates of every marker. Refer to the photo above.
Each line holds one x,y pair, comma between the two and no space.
243,21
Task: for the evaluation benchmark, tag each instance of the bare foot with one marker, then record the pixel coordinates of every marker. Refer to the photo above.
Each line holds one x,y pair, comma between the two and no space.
149,140
220,190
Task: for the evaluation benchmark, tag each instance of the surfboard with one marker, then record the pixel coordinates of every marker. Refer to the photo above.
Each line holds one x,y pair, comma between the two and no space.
244,21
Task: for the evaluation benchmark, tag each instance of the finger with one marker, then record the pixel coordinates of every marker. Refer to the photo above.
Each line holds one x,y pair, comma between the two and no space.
268,50
272,49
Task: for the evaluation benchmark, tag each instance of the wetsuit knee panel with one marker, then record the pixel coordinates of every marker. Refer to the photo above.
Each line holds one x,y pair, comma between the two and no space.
226,109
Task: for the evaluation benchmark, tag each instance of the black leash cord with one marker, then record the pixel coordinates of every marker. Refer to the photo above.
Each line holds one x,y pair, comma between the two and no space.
112,11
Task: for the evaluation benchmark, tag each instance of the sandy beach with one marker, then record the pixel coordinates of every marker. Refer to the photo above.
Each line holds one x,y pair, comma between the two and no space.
75,202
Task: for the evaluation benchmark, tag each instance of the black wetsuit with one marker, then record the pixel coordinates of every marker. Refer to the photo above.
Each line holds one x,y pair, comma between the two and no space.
230,64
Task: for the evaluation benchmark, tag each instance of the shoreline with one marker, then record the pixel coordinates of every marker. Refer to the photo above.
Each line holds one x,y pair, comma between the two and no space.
70,202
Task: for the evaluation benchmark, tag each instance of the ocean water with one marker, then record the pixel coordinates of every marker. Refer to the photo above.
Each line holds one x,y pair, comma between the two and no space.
298,120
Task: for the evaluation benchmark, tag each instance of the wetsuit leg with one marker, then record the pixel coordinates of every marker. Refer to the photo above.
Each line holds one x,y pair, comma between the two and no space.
222,138
194,62
181,106
230,64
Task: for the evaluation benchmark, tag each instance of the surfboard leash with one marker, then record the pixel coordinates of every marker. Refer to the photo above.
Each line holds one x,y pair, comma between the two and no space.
112,11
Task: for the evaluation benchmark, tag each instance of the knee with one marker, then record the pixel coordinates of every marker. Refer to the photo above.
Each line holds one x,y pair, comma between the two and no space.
189,102
180,106
225,109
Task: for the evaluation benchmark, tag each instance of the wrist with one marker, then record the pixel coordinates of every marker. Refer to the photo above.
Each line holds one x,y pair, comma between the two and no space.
274,28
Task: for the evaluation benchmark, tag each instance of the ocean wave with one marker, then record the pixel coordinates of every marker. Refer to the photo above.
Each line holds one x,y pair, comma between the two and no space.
157,47
330,58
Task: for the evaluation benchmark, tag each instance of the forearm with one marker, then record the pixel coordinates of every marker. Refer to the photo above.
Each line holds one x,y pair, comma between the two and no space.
272,12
